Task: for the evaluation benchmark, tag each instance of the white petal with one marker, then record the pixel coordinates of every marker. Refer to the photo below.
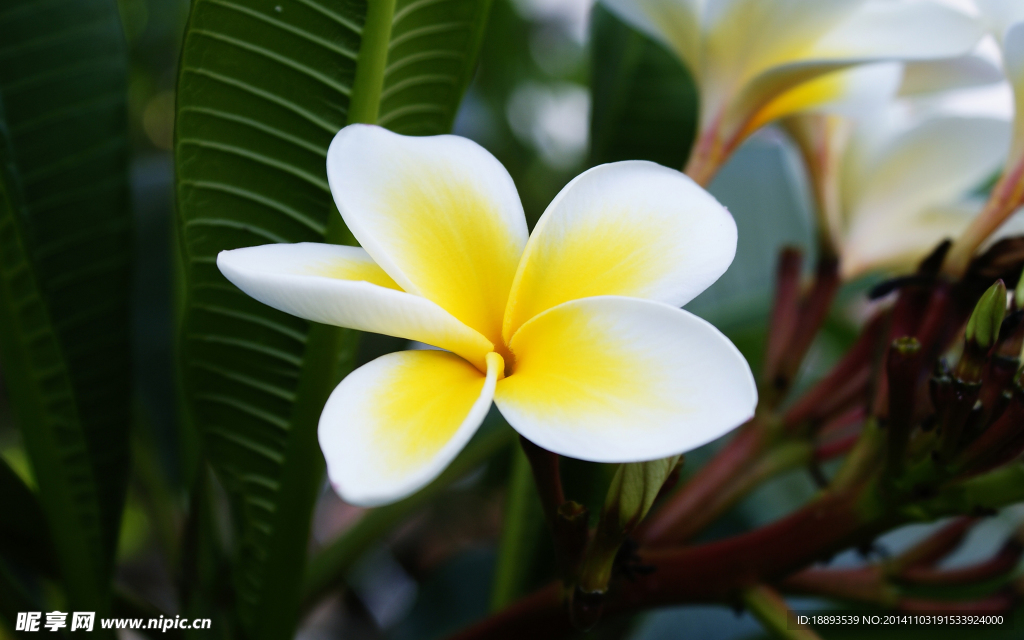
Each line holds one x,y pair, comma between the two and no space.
629,229
1000,15
875,32
1013,60
614,379
884,30
439,214
931,165
849,92
932,76
899,243
674,23
342,286
746,37
394,424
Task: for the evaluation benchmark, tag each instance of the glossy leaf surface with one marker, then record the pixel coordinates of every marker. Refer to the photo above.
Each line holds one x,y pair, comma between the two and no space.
66,270
264,86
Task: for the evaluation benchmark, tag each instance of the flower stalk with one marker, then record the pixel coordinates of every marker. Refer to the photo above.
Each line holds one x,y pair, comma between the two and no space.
567,520
980,337
903,369
632,493
1006,197
773,613
710,153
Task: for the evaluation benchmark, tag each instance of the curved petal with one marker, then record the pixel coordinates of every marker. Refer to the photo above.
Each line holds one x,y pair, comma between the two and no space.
1013,61
439,214
885,30
630,229
875,32
394,424
342,286
615,379
899,243
931,165
674,23
926,77
849,92
745,37
1000,15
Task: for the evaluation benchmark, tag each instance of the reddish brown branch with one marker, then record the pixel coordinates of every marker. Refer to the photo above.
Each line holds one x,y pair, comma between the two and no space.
712,572
688,508
847,381
862,584
785,312
1000,564
935,547
840,434
567,521
546,475
1000,442
812,315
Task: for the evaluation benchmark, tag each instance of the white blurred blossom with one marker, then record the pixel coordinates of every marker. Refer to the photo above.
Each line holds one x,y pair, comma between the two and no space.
552,118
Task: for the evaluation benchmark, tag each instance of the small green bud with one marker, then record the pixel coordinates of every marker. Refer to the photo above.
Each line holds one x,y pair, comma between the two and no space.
630,496
983,327
634,488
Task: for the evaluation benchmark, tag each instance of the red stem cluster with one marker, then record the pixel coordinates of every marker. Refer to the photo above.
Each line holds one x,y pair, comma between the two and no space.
849,513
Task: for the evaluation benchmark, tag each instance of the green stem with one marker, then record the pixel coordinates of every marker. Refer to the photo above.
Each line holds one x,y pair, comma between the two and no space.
373,58
520,528
772,611
863,459
993,490
327,568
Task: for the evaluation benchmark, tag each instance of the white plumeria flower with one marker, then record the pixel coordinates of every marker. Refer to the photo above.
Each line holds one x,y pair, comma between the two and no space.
753,59
1005,19
890,188
574,331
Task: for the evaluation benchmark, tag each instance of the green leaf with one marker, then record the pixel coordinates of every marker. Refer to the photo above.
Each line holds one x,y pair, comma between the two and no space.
644,100
431,57
24,546
15,597
66,270
264,85
43,400
24,535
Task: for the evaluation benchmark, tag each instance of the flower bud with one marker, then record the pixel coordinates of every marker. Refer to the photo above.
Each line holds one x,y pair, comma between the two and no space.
630,496
983,327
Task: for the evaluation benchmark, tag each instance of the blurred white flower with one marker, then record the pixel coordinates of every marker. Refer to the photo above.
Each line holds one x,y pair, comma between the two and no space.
754,60
1005,21
552,118
573,16
895,179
